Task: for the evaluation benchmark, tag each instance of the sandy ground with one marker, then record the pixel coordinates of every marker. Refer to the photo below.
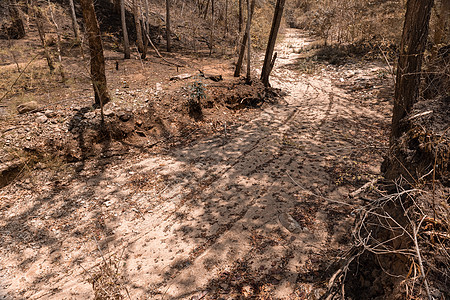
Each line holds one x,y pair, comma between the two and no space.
260,210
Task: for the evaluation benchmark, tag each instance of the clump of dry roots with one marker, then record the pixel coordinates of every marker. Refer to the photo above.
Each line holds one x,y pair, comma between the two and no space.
401,246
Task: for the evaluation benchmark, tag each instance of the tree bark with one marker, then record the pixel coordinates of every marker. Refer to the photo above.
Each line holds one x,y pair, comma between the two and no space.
237,71
412,47
76,29
137,24
271,43
168,25
126,42
98,76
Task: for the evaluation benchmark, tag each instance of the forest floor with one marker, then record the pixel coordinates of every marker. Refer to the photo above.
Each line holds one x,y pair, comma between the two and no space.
245,203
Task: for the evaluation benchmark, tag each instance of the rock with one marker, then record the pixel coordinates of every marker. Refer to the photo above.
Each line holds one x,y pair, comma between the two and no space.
28,107
41,119
108,113
289,223
50,113
181,77
124,116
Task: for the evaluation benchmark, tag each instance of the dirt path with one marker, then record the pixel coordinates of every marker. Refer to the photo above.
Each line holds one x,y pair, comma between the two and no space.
217,215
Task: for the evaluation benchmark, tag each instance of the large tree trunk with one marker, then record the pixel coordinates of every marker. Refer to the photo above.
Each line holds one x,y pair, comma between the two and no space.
237,71
272,39
126,42
76,29
98,76
414,38
137,24
168,25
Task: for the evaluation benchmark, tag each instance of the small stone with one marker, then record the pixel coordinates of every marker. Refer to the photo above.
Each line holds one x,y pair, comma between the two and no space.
41,119
124,116
50,113
289,223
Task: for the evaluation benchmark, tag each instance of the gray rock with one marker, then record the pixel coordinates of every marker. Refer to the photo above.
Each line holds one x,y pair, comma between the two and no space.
289,223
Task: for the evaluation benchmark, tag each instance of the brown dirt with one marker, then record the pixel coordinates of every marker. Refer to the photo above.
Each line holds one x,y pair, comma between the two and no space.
186,209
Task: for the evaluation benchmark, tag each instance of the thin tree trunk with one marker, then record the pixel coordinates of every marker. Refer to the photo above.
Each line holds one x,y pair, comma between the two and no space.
147,16
237,71
98,76
137,24
412,47
205,13
76,29
145,27
126,42
58,42
240,16
38,18
271,43
226,18
249,44
168,25
211,38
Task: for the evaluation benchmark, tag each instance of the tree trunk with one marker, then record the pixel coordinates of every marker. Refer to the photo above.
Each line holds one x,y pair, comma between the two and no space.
226,18
271,43
249,44
17,30
98,76
126,42
58,42
145,27
240,16
414,38
38,18
168,25
137,24
76,29
237,71
211,38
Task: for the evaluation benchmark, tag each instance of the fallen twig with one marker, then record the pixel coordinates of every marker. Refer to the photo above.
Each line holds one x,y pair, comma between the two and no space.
363,188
